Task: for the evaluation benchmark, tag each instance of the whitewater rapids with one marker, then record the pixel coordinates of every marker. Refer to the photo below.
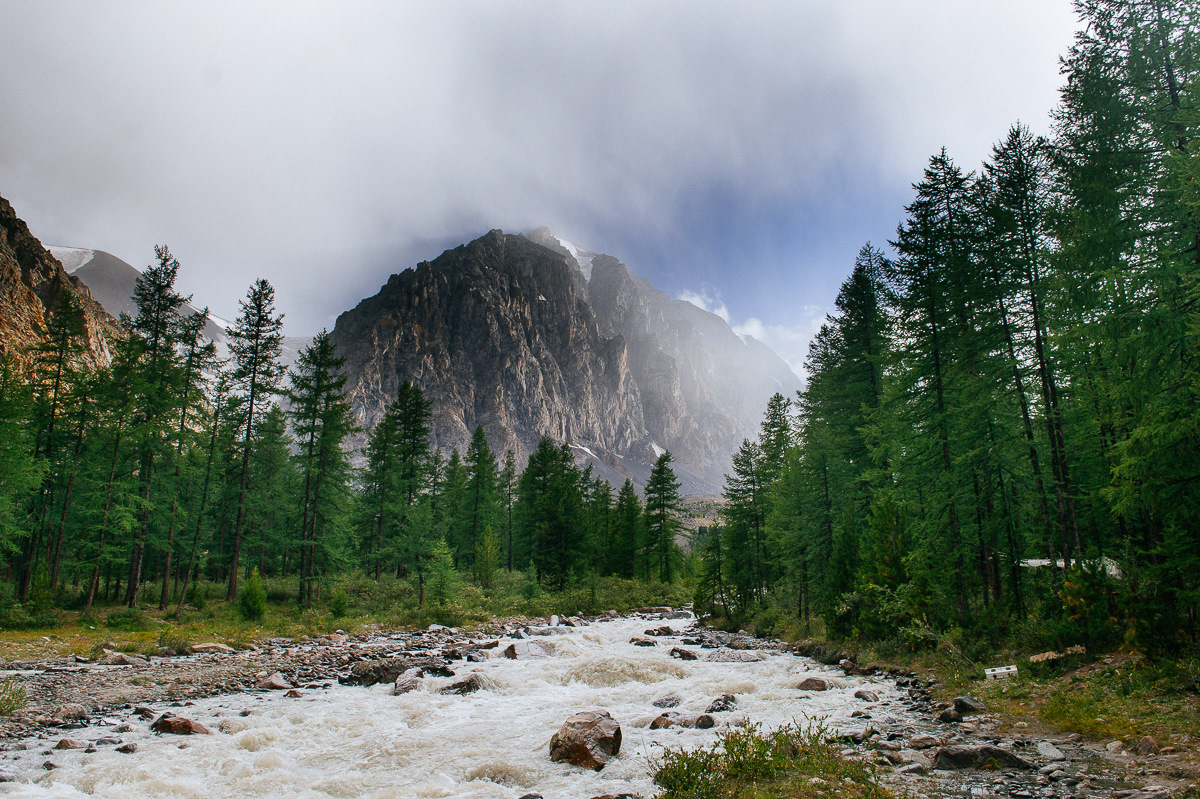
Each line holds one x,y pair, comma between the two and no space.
493,744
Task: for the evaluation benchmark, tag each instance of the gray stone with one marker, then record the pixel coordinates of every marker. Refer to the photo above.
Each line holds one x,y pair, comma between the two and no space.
978,756
409,680
468,685
866,696
967,705
212,649
922,742
529,650
1049,751
670,700
727,655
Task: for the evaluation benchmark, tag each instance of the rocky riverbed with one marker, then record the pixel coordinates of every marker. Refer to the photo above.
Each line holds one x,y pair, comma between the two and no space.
79,708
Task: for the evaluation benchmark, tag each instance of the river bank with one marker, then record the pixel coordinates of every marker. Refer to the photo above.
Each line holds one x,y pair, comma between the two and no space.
889,718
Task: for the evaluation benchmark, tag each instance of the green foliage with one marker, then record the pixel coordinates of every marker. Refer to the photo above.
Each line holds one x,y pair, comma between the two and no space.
12,697
252,598
487,558
339,603
127,619
445,585
789,762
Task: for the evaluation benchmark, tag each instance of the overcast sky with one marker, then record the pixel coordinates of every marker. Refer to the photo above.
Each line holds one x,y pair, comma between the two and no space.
737,154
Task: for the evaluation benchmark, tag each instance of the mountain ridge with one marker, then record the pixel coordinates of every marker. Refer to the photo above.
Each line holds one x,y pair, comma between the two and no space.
513,334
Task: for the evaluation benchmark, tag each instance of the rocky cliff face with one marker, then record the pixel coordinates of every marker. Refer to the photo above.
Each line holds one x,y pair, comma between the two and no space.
528,337
31,282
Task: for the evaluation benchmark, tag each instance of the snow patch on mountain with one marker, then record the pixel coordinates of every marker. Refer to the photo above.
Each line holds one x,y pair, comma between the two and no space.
72,257
582,257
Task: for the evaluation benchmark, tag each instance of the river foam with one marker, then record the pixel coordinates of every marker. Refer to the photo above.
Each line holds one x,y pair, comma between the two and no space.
356,742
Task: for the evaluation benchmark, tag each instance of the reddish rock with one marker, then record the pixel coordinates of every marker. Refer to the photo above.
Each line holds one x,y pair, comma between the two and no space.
70,743
178,725
722,704
663,721
127,749
866,696
589,739
813,684
294,694
274,683
641,640
679,653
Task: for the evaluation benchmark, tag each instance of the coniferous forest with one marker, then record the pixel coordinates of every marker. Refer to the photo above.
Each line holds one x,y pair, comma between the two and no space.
171,467
1000,432
999,436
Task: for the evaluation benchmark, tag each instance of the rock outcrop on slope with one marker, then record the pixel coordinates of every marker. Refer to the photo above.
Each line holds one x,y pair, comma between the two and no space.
530,337
31,283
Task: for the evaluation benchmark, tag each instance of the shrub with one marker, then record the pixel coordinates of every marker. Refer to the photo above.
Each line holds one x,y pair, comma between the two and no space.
128,619
12,697
339,603
197,594
252,598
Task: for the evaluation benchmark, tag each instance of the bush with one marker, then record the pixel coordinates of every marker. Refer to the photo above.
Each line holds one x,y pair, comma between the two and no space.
128,619
12,697
197,594
252,598
339,603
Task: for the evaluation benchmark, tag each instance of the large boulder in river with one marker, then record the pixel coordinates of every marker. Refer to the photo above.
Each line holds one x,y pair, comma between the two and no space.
529,650
275,682
469,685
979,756
178,725
589,739
726,655
813,684
369,672
409,680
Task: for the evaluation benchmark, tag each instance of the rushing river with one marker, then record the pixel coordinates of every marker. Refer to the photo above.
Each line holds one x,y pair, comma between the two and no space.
363,742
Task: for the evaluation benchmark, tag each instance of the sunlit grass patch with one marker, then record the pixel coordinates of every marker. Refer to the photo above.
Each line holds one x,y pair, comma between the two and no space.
746,763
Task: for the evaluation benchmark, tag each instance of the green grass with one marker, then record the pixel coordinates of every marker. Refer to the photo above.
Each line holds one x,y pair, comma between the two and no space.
12,697
746,763
355,603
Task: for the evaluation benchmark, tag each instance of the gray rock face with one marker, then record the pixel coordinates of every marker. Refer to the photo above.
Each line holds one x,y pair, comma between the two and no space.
509,334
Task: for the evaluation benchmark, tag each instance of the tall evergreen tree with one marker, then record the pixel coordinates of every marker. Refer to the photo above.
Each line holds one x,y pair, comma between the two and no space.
256,342
320,414
663,506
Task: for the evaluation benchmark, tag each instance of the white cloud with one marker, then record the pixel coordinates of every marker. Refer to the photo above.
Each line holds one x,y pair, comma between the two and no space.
303,142
707,300
789,342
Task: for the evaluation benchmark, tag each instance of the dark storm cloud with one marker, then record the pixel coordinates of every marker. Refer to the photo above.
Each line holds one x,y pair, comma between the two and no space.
744,151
